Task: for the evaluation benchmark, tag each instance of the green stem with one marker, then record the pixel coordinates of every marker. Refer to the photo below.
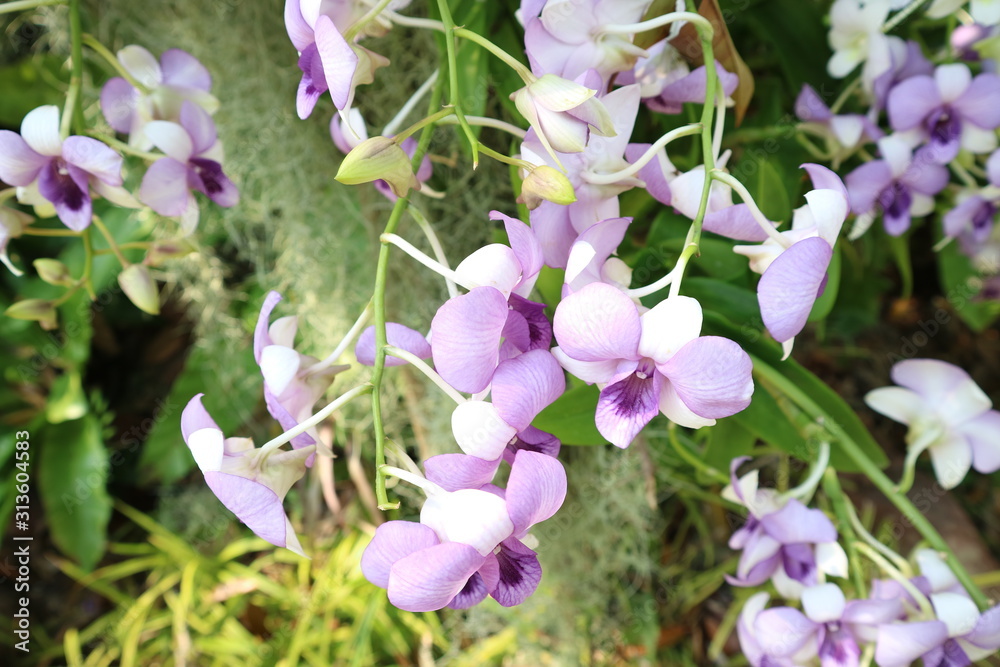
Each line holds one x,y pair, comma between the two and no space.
21,5
106,233
454,94
123,147
88,264
72,112
378,311
31,231
693,460
508,59
369,16
831,486
877,477
421,124
91,42
500,157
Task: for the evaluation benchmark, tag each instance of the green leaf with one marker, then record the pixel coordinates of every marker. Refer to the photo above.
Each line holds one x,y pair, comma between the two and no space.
728,439
824,304
766,186
27,84
767,421
717,259
72,471
571,417
736,304
962,283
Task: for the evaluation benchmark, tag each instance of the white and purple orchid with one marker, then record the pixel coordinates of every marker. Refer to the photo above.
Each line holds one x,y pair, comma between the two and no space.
959,635
48,169
468,543
656,362
291,385
948,415
250,482
856,37
192,163
845,131
951,111
178,77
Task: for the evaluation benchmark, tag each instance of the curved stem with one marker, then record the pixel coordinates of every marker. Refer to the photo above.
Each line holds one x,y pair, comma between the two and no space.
429,262
349,337
758,215
111,241
508,59
424,122
21,5
454,94
913,451
852,515
703,25
500,157
925,605
902,15
424,484
123,147
495,123
877,477
831,485
688,456
88,265
807,488
91,42
432,238
368,17
413,21
651,152
431,374
322,414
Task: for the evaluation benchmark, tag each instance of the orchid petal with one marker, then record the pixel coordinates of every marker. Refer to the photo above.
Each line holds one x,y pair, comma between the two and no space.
597,323
525,385
669,326
626,405
520,573
40,130
536,489
19,164
396,335
393,541
465,334
459,471
430,578
711,375
790,286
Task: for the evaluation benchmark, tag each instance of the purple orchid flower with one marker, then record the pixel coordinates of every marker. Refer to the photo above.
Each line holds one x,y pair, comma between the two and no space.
782,540
522,387
557,226
291,386
327,60
959,636
56,170
250,482
590,259
948,414
898,185
466,331
178,77
974,215
468,542
847,130
649,364
907,60
349,133
952,110
396,335
192,164
567,38
794,275
563,113
831,628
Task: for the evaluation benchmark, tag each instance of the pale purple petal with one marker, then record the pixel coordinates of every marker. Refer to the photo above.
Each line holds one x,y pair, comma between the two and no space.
253,503
397,335
554,231
925,177
626,405
199,126
526,247
899,644
311,86
516,334
759,558
19,164
339,61
430,578
810,107
783,631
459,471
873,612
711,375
119,99
866,183
656,174
790,286
597,323
825,179
993,168
525,385
520,573
980,103
983,434
94,157
393,540
946,386
182,69
69,192
735,222
165,187
986,634
299,31
691,88
536,489
195,417
591,250
795,523
261,337
911,101
465,335
478,586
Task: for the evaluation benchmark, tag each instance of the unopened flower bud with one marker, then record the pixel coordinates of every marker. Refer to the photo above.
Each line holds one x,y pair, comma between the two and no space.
38,310
140,288
53,272
375,159
162,251
548,183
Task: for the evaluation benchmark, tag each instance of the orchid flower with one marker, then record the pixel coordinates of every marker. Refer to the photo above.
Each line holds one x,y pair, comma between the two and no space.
952,110
794,275
251,483
985,12
948,414
397,335
563,113
907,60
856,37
900,186
192,164
846,131
468,542
12,224
47,168
782,540
178,77
590,259
667,82
959,636
290,389
654,363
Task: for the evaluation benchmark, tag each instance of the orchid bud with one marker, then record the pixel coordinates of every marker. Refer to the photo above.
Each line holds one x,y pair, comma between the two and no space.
162,251
39,310
563,113
546,183
375,159
140,288
53,272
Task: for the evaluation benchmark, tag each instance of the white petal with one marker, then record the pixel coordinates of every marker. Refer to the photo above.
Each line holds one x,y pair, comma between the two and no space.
170,138
278,364
480,431
674,409
142,65
831,559
896,403
978,140
207,447
282,331
492,266
469,516
829,209
823,603
956,611
40,129
669,326
897,154
952,80
951,460
936,570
